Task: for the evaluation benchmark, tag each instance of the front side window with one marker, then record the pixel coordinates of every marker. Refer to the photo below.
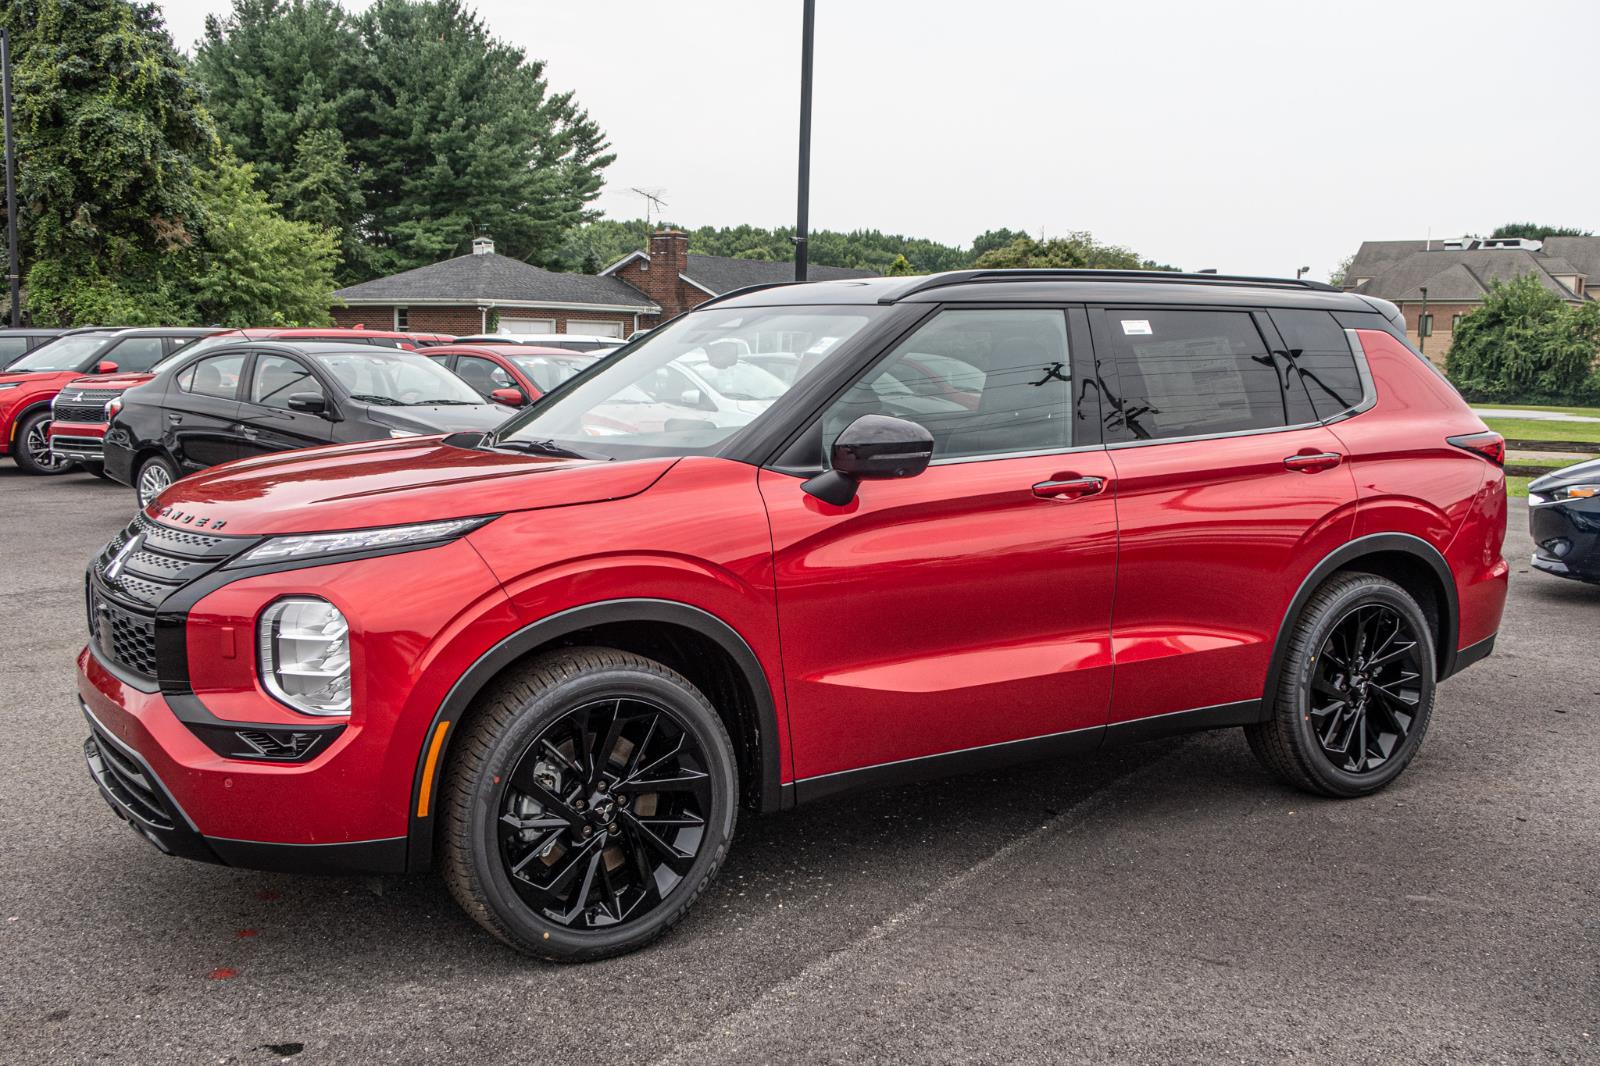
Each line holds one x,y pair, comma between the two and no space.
984,383
688,386
1192,373
277,377
548,371
483,375
136,354
395,378
217,377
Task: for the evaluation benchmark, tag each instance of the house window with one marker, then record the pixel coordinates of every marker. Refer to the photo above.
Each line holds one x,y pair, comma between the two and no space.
1455,322
402,318
1425,325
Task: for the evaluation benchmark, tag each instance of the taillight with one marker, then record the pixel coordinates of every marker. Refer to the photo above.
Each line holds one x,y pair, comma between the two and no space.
1490,445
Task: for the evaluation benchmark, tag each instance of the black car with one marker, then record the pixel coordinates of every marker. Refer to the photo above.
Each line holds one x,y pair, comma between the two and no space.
240,400
1564,518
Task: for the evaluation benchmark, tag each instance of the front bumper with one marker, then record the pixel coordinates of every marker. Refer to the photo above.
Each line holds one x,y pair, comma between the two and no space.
1566,538
82,441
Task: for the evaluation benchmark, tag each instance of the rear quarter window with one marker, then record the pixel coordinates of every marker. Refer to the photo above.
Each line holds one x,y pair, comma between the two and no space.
1321,352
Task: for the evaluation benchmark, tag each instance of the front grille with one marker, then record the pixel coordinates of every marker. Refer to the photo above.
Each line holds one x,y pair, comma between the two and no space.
74,412
125,780
133,575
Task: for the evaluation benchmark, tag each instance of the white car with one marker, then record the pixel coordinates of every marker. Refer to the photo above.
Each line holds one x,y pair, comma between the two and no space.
572,342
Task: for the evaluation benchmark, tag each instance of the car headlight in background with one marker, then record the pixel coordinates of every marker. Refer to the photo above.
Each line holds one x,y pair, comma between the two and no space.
305,655
1568,492
405,432
320,545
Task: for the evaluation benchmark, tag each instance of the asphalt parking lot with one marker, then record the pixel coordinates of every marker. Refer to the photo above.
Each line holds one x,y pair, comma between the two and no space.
1165,903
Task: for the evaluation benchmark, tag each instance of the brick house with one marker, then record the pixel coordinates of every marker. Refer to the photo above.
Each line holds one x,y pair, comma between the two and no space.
485,291
1457,275
475,293
676,280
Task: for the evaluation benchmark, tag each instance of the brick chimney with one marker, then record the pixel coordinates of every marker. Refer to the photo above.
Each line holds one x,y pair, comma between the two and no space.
669,257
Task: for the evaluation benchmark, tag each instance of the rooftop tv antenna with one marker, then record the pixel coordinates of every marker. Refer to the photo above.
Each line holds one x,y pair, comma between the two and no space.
652,199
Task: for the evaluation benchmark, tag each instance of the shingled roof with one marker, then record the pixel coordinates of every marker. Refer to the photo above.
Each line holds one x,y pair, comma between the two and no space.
497,280
1399,270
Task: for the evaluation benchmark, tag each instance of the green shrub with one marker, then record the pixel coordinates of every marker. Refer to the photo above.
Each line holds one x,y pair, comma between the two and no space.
1526,345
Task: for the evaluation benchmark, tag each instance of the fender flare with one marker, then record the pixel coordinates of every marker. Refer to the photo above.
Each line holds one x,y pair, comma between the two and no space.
1353,552
436,741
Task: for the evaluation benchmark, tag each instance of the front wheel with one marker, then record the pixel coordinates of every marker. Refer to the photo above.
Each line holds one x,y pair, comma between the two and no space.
587,804
33,452
1355,693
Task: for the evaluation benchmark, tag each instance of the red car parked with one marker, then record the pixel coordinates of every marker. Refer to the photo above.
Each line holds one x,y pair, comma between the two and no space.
555,659
496,371
77,429
29,386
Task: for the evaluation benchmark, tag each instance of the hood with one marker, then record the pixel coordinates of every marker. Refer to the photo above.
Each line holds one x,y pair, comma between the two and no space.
1586,471
445,418
38,377
109,381
388,483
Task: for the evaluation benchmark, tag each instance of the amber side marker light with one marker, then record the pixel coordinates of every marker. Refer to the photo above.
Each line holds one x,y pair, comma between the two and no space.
425,794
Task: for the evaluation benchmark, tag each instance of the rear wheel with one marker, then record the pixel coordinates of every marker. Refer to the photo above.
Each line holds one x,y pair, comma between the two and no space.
1355,693
33,452
155,474
587,804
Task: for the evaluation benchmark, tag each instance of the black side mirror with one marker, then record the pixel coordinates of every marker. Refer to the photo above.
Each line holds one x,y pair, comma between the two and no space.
872,448
312,403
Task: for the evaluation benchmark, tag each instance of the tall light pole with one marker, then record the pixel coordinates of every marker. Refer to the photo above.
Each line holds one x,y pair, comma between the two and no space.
802,223
1301,272
1423,326
13,267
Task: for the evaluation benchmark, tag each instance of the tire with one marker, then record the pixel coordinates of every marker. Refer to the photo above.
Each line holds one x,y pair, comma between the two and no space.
155,474
1350,714
32,447
513,797
95,469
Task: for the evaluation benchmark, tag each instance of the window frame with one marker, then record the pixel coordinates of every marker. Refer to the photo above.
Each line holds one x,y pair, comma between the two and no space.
1260,316
247,383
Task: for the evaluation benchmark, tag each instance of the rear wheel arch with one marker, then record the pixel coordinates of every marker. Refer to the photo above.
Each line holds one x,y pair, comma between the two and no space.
1410,562
702,647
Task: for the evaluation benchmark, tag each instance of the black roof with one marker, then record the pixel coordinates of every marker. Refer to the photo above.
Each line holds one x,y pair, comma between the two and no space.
491,278
1095,286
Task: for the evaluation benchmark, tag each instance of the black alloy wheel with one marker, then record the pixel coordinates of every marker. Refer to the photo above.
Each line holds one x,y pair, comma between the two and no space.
586,803
1365,688
605,813
33,452
1355,689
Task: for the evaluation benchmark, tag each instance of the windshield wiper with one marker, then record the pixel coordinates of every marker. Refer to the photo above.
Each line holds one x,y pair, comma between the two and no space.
445,403
381,401
546,447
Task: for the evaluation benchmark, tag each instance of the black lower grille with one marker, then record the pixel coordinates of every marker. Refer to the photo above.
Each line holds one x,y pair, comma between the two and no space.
125,781
79,412
127,640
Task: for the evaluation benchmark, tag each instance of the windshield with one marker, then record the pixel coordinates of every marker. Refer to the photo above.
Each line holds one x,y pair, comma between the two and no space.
64,353
690,385
393,378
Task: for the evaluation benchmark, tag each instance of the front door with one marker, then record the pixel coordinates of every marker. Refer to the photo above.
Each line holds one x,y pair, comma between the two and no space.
1228,493
267,422
970,606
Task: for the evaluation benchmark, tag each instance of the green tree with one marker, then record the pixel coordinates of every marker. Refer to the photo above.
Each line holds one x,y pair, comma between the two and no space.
1535,232
1075,250
900,267
989,240
110,130
321,188
1525,344
251,266
1336,279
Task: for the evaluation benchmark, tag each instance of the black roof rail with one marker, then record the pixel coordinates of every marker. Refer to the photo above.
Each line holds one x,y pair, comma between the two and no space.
962,277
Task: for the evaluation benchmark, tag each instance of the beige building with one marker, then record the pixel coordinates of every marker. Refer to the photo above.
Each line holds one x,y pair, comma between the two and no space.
1453,276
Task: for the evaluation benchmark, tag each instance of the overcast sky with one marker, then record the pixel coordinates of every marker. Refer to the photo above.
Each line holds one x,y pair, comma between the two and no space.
1250,137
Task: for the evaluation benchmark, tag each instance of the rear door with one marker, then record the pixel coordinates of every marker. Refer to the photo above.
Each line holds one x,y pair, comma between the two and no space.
267,422
200,412
1228,493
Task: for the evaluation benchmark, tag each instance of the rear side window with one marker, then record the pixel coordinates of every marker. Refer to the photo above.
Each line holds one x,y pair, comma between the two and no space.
1194,373
1321,353
217,376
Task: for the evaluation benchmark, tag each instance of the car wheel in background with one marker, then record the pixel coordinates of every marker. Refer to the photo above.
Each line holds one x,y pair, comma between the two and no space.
1355,693
587,803
32,450
154,476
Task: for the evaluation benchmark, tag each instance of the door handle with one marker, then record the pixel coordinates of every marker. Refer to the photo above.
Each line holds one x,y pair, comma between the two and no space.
249,432
1311,462
174,419
1069,488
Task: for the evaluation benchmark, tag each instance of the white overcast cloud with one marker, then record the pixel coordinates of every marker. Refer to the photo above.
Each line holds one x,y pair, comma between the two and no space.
1250,137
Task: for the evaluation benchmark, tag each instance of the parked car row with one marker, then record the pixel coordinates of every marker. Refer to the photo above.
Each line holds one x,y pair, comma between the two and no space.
270,390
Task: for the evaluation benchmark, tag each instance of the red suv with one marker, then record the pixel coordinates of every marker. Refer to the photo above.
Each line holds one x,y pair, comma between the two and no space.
553,660
497,371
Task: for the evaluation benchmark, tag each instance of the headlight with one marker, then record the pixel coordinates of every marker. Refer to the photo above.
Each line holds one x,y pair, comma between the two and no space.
1573,492
305,655
9,384
318,545
405,432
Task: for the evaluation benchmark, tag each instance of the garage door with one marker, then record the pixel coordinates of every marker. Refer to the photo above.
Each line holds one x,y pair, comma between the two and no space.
594,329
527,325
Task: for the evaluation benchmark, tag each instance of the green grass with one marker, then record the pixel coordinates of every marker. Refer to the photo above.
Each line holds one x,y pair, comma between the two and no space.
1517,487
1588,412
1538,429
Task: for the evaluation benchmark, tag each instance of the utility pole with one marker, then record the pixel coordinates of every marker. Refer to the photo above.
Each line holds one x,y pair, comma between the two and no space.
802,223
13,267
1424,327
